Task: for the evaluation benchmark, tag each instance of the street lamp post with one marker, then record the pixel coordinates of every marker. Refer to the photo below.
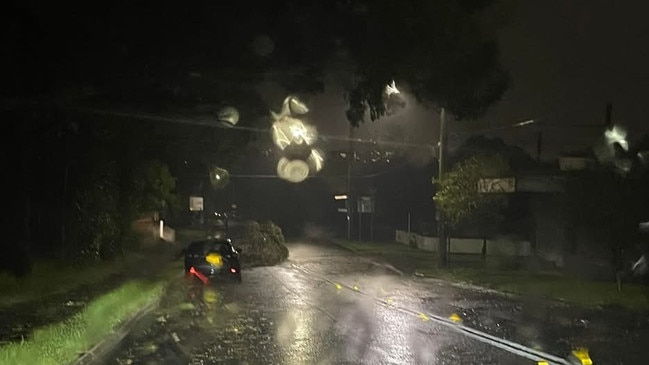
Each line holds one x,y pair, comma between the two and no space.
442,247
349,183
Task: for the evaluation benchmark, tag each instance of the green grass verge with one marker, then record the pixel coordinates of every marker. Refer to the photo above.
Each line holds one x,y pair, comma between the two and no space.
536,284
39,283
62,342
555,286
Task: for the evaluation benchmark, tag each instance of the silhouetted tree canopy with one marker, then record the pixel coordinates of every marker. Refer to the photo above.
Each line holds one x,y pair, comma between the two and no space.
445,52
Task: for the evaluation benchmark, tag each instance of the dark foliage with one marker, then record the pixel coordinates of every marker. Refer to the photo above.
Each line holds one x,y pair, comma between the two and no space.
262,244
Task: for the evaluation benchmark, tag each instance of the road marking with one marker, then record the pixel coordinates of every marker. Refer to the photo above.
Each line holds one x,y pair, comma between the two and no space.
581,354
509,346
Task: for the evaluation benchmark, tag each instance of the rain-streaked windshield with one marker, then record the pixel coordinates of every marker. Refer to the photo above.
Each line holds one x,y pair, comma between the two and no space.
324,182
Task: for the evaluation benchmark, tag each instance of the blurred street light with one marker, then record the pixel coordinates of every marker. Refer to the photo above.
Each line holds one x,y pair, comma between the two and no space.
295,138
523,123
392,89
617,135
219,177
228,116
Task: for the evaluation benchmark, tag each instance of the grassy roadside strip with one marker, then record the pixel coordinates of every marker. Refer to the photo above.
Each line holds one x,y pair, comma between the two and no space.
44,273
62,343
552,285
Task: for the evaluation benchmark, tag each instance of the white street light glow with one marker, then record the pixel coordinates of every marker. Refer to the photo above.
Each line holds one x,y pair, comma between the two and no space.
617,135
229,115
296,106
340,197
298,132
391,89
289,130
316,159
294,171
526,122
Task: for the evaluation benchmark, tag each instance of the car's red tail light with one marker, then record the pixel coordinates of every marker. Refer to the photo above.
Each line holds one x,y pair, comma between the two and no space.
200,276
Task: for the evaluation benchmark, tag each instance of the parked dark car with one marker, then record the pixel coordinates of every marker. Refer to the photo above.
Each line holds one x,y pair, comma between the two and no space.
213,258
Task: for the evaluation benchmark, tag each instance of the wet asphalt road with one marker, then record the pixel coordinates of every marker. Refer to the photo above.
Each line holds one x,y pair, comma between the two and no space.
328,306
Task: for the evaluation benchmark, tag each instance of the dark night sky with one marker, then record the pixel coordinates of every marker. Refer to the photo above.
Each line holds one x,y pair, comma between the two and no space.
566,59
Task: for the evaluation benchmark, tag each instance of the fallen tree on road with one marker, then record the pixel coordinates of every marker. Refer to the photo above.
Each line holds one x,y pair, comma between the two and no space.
262,244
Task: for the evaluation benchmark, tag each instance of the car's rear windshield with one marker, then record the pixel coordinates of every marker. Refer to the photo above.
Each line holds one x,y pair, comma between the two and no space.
222,247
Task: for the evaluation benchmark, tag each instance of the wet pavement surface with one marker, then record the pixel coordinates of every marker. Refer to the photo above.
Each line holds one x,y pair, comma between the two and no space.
329,306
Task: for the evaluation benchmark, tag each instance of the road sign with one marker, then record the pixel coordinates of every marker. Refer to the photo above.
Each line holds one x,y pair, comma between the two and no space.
499,185
365,204
196,203
342,210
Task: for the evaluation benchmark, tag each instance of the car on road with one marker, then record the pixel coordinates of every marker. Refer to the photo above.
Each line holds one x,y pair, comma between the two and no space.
213,259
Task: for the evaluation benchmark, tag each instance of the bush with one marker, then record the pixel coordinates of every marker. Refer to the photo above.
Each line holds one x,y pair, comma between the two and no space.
261,244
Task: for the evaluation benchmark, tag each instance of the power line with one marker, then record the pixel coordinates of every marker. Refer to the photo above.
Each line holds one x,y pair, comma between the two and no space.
211,123
271,176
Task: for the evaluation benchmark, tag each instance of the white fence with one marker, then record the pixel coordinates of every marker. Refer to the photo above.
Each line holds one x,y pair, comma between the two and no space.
496,247
168,234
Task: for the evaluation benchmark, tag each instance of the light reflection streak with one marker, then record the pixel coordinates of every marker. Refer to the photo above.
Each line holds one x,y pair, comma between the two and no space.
316,159
289,131
292,170
617,135
299,329
209,122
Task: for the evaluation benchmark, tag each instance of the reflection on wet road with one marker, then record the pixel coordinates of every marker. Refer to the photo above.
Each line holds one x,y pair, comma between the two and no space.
326,306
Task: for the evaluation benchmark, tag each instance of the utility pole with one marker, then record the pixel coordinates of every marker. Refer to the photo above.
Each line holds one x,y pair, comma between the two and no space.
441,229
349,183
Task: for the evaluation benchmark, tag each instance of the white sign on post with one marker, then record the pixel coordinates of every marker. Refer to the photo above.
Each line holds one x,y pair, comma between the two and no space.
196,203
501,185
365,204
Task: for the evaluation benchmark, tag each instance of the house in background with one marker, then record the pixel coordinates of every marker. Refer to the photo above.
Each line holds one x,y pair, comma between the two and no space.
575,249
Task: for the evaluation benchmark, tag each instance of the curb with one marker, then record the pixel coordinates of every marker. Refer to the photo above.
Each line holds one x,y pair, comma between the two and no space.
459,284
108,343
385,265
111,341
